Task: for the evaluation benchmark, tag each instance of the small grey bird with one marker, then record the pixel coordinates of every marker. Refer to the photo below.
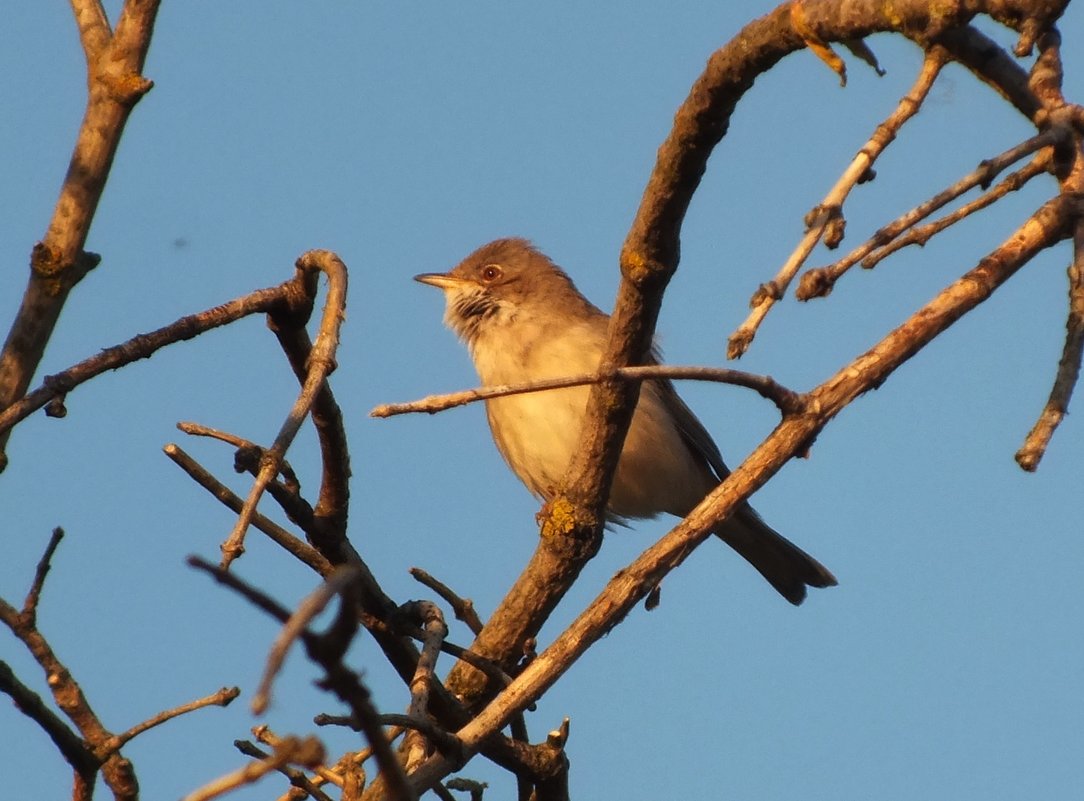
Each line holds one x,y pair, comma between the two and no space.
524,320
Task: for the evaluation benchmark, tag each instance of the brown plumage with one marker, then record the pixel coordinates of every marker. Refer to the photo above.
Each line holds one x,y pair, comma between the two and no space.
524,320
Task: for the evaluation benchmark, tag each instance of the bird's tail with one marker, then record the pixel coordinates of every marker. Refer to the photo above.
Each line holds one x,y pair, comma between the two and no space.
786,566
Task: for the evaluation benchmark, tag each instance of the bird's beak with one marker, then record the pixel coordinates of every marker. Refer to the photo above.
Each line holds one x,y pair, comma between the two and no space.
442,280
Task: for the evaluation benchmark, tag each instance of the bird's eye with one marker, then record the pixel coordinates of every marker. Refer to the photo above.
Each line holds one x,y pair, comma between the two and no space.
491,272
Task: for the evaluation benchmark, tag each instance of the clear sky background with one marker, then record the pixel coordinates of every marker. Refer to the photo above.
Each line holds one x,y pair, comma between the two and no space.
947,664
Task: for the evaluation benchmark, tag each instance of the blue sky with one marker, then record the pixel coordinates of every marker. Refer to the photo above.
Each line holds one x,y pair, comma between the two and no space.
947,663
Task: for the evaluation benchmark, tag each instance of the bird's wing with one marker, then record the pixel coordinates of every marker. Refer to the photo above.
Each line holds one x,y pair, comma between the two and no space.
692,430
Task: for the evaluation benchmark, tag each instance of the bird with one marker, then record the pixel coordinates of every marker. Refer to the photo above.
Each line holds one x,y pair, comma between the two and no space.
523,320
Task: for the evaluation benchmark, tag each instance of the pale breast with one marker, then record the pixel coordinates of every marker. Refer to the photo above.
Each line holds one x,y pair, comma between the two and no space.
538,433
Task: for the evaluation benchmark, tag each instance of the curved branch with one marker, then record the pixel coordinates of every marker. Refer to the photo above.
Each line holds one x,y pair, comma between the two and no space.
572,523
321,362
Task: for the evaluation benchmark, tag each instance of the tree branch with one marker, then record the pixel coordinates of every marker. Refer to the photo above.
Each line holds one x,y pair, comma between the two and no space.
829,213
571,524
58,262
320,364
785,399
144,346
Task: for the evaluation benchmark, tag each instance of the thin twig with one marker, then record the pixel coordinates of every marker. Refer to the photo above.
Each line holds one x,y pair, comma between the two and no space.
291,750
783,398
829,212
309,608
248,458
1057,405
33,595
921,234
321,363
431,620
819,282
264,734
289,477
143,346
305,553
222,697
199,430
296,777
463,607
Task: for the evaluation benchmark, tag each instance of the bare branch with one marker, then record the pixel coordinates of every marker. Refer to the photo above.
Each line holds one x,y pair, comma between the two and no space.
431,620
819,282
322,772
222,697
70,745
248,458
115,84
33,595
921,234
296,777
829,211
144,346
1061,393
305,553
463,607
332,507
291,750
783,398
321,363
309,608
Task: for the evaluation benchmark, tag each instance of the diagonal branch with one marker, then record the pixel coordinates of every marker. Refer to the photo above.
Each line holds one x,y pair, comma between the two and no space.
820,282
829,213
33,595
921,234
144,346
57,263
70,744
276,533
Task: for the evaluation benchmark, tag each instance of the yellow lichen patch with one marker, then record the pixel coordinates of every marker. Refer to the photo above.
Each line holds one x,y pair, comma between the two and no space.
559,518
